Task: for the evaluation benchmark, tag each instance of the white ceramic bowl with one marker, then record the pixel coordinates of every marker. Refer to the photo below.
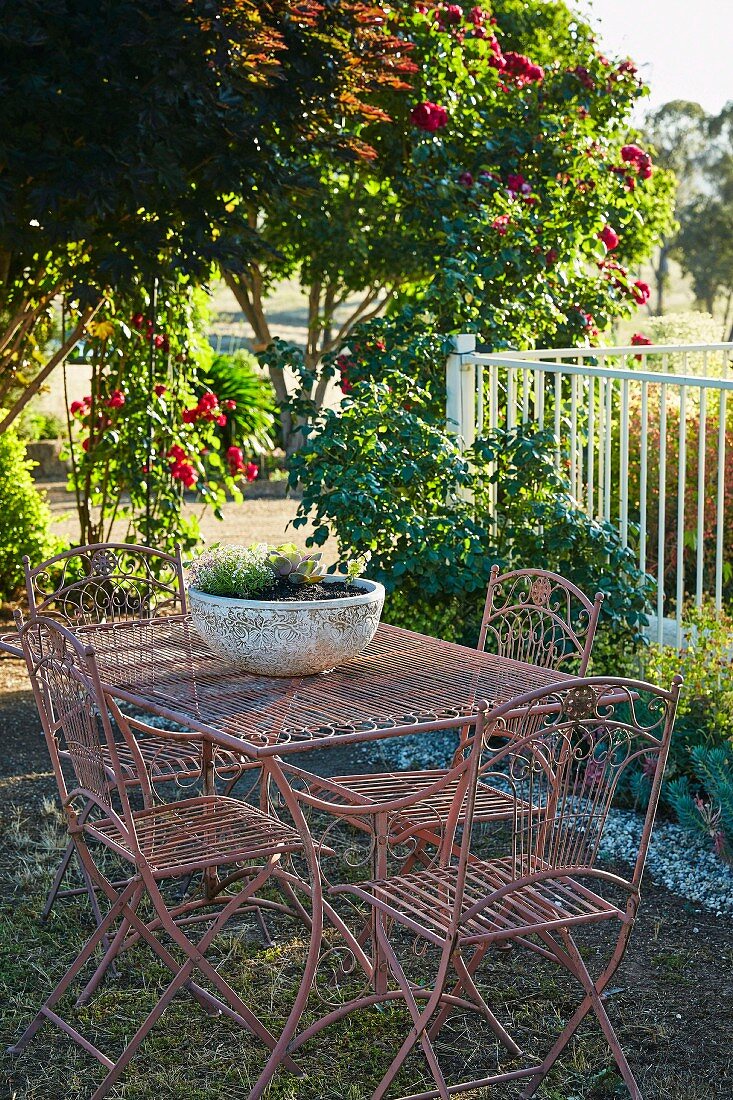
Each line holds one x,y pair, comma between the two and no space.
293,637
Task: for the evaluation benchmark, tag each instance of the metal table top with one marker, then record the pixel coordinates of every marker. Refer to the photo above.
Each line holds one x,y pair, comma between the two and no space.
400,680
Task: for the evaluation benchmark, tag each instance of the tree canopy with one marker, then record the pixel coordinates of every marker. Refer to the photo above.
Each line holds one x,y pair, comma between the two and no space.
509,195
133,128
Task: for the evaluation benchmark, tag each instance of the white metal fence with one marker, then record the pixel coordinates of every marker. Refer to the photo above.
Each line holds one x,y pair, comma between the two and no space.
624,417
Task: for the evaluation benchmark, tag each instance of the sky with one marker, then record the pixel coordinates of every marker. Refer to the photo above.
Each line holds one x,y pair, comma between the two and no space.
684,48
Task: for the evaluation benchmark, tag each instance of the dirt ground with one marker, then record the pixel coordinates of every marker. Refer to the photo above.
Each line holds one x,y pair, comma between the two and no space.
265,515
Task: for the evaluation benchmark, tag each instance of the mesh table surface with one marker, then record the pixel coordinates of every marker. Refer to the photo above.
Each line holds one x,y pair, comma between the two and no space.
400,680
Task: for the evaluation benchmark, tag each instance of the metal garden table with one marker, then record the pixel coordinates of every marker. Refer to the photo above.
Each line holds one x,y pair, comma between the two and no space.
401,682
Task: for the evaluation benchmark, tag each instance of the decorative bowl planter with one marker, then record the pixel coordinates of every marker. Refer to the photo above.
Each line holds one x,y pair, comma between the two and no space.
289,637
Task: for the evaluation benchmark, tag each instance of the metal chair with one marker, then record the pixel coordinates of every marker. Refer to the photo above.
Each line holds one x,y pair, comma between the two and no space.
585,736
97,586
530,615
159,843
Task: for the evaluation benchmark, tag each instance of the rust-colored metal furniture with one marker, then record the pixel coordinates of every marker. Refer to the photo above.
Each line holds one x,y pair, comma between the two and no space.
584,735
530,615
95,587
201,835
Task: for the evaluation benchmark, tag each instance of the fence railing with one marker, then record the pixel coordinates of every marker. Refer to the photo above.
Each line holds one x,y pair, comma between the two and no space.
644,433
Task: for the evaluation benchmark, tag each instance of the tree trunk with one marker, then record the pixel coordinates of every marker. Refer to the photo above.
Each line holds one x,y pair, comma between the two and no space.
661,276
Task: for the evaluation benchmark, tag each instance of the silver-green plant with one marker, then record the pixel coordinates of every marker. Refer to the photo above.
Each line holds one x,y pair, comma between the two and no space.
289,563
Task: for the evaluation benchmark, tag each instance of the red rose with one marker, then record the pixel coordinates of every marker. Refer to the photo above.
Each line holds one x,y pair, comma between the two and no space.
641,292
517,184
522,69
609,236
466,179
584,77
631,153
115,400
231,405
77,407
477,16
221,420
429,117
190,416
160,389
551,257
85,445
176,452
251,471
137,320
639,340
453,13
235,460
501,224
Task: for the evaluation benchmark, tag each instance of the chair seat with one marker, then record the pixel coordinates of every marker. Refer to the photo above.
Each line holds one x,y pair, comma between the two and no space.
424,900
168,760
199,832
380,787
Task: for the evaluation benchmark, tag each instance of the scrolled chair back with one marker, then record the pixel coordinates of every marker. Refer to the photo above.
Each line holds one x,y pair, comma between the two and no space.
536,616
75,717
570,751
106,583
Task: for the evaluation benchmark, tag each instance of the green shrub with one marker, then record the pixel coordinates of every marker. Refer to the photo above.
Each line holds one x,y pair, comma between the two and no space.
384,476
24,516
33,426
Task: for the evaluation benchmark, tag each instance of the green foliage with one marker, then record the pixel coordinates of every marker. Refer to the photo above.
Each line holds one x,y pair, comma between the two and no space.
24,516
130,134
705,713
232,571
382,474
237,378
33,426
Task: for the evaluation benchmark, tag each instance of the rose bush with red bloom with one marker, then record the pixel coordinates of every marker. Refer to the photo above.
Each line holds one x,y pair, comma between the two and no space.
641,292
610,237
430,117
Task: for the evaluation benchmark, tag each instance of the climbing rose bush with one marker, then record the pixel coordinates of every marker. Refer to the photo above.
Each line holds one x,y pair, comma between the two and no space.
144,435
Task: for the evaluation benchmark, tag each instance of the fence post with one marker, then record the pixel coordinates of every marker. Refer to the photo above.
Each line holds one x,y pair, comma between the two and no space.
460,389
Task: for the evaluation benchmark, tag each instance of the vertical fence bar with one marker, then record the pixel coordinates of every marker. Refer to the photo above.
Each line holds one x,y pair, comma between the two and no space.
661,534
591,443
558,418
511,397
643,468
573,433
525,396
607,460
623,496
494,398
720,518
539,398
480,398
701,441
681,486
601,442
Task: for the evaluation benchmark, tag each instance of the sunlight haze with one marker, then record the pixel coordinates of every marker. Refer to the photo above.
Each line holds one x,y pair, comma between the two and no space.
682,48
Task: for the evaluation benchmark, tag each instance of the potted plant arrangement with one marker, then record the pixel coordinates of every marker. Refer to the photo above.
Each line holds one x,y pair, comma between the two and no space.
276,612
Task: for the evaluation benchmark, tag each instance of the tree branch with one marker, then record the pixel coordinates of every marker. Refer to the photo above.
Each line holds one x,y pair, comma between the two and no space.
32,389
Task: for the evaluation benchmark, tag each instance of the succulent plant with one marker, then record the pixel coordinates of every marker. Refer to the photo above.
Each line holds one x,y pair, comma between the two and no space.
289,563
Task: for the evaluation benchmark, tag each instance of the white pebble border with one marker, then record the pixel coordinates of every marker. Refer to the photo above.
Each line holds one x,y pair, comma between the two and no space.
677,859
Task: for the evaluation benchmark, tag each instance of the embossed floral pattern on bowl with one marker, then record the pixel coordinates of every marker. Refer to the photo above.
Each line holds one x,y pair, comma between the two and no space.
293,638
